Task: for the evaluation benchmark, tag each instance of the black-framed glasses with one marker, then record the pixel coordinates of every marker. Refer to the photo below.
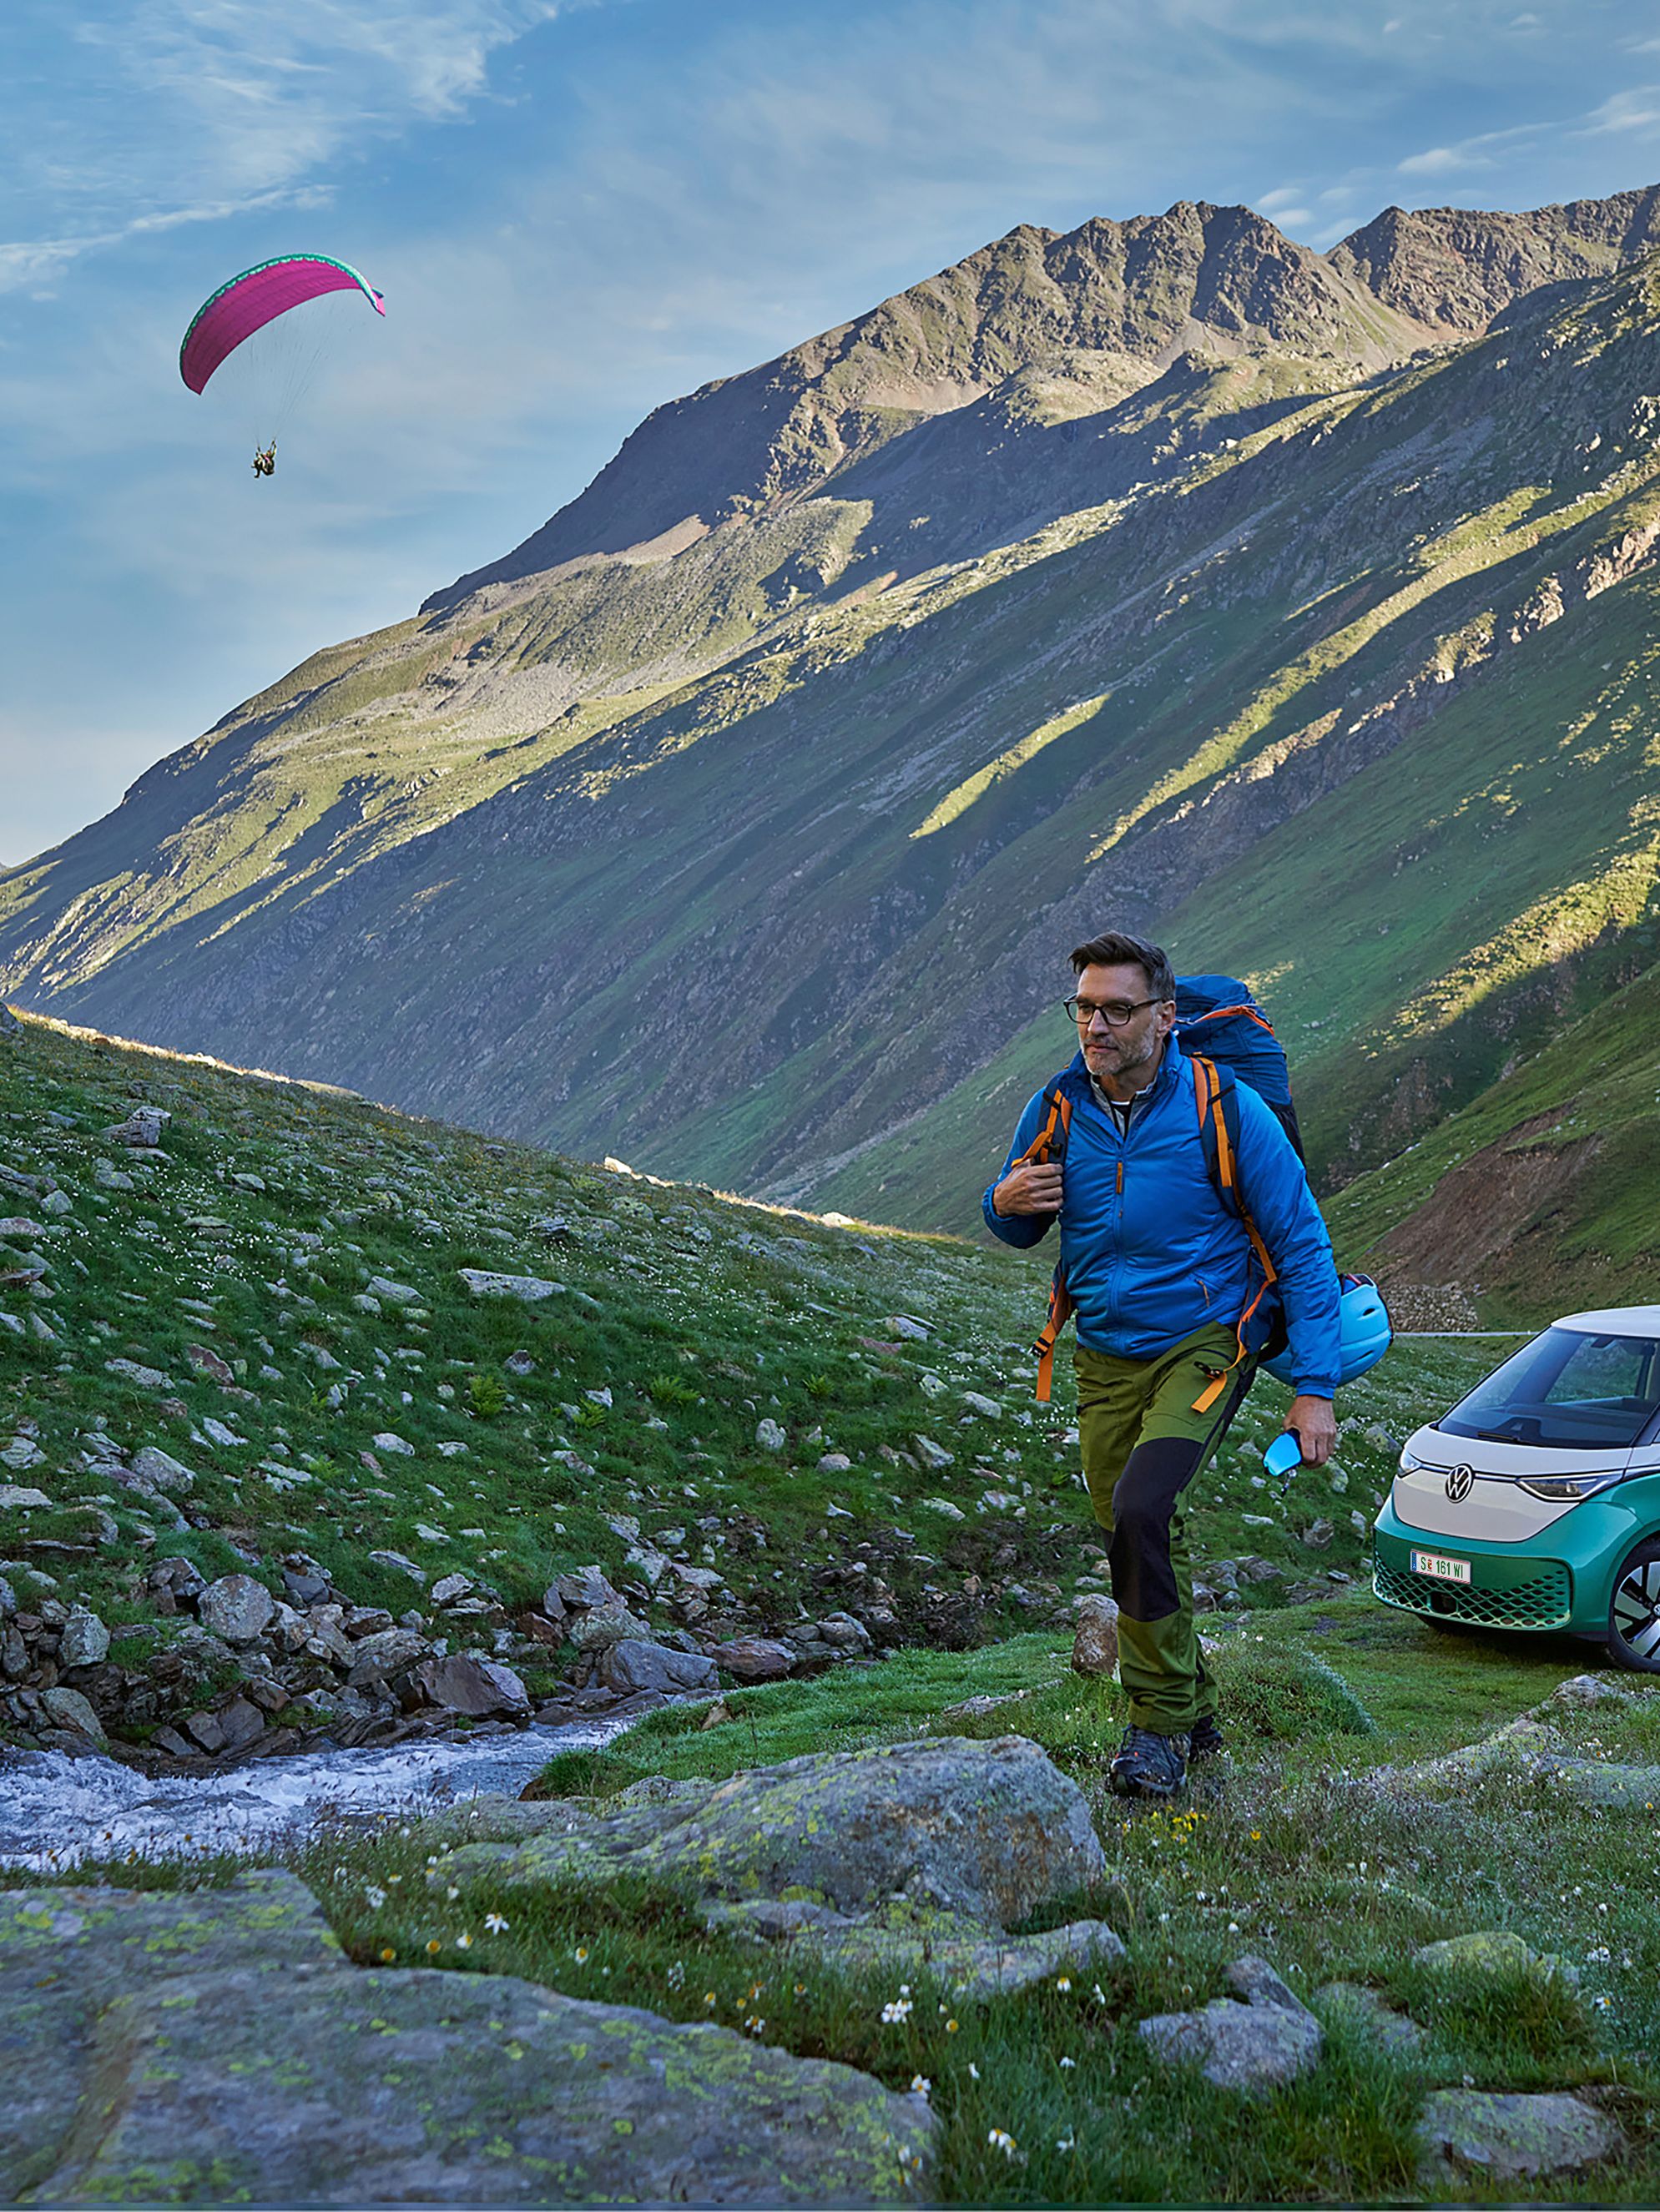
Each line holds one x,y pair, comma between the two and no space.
1115,1013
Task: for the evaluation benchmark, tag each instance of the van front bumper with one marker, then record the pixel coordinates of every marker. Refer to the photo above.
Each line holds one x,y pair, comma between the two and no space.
1563,1580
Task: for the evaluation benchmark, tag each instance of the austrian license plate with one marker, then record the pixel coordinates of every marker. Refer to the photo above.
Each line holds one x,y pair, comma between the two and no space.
1443,1569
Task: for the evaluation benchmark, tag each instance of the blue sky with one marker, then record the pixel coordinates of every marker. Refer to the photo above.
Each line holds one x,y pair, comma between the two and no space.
576,208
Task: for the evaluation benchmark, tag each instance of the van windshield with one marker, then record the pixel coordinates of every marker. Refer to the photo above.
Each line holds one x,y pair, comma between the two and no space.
1568,1389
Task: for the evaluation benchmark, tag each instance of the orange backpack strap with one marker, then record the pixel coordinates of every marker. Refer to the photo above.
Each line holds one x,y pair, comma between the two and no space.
1051,1145
1060,1312
1221,1013
1213,1131
1051,1142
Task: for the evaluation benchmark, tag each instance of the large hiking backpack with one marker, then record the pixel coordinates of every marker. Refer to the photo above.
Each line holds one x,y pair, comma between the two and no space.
1225,1034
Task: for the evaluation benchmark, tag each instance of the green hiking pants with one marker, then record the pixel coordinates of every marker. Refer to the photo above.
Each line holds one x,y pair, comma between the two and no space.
1142,1443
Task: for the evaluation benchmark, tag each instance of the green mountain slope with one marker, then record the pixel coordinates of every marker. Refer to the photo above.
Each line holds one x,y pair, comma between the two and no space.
1544,1193
740,821
752,1419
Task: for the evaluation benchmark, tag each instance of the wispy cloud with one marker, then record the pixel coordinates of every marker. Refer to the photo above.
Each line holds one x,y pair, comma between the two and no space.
184,111
1637,109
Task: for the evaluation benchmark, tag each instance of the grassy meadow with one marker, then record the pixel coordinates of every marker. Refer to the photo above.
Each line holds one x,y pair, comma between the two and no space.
688,1317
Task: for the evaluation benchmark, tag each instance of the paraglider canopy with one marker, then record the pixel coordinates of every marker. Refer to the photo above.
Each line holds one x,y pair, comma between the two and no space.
257,297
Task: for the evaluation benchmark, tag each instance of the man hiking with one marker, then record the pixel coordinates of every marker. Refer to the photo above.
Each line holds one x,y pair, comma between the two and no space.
1160,1272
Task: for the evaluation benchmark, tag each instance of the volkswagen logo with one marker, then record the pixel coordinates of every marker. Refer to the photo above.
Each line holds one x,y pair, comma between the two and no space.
1460,1483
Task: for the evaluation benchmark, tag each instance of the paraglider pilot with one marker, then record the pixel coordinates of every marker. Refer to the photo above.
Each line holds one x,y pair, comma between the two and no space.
265,460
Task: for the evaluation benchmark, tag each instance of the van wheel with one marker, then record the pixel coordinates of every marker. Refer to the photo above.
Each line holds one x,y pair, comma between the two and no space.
1634,1612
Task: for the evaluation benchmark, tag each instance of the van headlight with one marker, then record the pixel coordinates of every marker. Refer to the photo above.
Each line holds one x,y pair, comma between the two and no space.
1559,1487
1411,1464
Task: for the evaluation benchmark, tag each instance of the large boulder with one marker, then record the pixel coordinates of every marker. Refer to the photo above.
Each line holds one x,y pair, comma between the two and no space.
990,1830
255,2064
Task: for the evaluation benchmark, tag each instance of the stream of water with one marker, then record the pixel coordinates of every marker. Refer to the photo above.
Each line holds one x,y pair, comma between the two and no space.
56,1810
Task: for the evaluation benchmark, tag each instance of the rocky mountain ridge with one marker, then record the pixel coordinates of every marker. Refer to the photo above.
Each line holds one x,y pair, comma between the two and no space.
751,849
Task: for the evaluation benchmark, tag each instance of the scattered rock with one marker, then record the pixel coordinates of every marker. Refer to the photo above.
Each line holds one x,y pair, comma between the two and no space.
387,1651
629,1666
84,1640
164,1472
755,1658
975,1961
1396,2033
146,1378
1496,1954
1095,1646
907,1327
237,1608
1256,1983
68,1708
394,1294
483,1687
589,1588
844,1631
769,1436
1250,2047
933,1455
209,1364
398,1564
1510,2136
605,1625
240,1723
142,1127
22,1497
530,1289
1580,1690
217,1432
1606,1784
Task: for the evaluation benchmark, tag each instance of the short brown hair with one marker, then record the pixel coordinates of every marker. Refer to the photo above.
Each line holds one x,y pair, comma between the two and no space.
1115,948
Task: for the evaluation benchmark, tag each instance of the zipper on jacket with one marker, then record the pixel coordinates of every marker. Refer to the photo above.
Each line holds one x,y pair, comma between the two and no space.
1121,1178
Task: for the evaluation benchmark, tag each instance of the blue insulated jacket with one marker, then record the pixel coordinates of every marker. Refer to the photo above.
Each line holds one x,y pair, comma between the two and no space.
1150,1251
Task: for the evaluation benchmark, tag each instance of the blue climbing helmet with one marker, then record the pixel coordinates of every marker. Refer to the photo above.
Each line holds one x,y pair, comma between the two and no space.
1364,1329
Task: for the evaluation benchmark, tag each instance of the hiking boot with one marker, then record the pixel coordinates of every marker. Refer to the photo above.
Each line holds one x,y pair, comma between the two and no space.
1149,1765
1206,1740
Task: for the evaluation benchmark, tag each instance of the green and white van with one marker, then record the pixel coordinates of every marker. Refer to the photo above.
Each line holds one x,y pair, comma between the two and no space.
1534,1504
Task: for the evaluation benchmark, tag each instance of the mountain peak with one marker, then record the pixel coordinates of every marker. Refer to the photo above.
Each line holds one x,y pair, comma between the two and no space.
1453,269
1147,288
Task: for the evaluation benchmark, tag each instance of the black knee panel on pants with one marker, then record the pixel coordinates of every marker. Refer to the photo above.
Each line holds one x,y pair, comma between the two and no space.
1143,1502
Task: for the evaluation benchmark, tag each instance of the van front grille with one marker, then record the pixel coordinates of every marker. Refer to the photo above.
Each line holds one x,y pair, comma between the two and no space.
1541,1601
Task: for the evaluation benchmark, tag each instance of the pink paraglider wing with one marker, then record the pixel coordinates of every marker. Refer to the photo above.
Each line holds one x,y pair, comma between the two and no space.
257,297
